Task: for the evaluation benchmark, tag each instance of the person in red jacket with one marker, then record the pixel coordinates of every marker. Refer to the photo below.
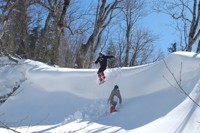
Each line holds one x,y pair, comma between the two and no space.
102,60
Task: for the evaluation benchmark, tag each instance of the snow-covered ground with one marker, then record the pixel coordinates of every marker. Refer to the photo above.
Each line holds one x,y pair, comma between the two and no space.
62,100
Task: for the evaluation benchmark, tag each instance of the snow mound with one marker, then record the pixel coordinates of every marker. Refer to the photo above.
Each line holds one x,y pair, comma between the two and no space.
56,99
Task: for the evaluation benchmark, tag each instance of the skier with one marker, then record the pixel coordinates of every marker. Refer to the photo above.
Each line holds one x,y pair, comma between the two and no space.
114,97
102,60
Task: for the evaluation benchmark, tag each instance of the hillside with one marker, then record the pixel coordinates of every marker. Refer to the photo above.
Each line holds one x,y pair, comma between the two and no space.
62,100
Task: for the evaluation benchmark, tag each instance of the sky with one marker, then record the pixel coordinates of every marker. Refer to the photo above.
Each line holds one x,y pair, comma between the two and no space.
60,100
158,24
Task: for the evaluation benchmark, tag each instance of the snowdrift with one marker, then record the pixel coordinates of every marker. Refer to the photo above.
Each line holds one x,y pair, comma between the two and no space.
65,100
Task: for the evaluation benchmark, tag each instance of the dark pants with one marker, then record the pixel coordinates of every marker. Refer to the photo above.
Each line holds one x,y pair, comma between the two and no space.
101,69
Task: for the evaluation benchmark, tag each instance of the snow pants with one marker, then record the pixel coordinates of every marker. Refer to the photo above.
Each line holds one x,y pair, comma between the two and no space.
101,73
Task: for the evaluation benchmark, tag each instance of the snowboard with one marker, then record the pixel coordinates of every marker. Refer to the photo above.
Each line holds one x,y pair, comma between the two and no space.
101,82
111,75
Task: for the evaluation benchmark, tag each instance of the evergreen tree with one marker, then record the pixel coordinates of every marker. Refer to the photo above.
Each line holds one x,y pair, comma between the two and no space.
172,48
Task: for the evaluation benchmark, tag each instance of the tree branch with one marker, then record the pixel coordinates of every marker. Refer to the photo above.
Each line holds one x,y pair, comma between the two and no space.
179,85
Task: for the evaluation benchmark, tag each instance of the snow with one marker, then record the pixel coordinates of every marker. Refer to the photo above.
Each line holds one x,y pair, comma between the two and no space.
60,100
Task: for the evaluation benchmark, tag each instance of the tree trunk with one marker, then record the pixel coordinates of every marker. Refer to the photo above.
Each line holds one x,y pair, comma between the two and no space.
84,49
198,48
103,18
133,59
128,41
5,14
61,36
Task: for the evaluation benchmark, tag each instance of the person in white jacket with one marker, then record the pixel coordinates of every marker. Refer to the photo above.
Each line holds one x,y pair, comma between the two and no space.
114,97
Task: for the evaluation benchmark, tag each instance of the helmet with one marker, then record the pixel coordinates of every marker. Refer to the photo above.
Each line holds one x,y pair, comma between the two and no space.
116,87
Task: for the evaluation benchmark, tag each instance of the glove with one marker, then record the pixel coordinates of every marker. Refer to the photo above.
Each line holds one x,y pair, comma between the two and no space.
92,62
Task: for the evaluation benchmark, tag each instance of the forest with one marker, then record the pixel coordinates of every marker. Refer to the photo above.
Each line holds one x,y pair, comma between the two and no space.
67,33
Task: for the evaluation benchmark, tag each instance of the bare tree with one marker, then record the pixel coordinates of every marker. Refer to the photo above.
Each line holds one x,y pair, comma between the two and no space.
137,45
8,128
198,47
120,42
61,26
172,48
133,10
16,35
6,7
76,28
68,35
186,13
104,15
178,83
142,47
121,45
42,42
56,17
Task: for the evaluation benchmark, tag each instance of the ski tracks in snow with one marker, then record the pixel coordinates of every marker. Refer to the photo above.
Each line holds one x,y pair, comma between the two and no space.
91,112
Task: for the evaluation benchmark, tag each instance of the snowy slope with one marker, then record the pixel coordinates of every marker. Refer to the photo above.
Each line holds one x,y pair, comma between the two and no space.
62,99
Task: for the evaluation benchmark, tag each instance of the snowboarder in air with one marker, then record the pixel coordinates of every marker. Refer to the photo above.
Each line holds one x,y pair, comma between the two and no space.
114,98
102,60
